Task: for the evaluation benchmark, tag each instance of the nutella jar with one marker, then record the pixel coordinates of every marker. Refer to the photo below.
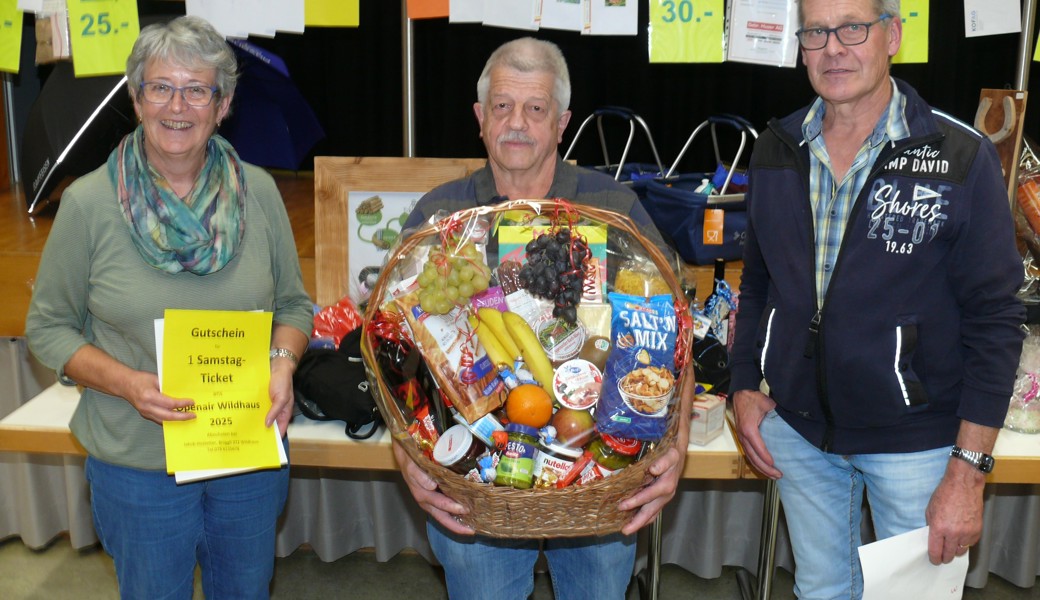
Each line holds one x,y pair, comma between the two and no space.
458,450
552,462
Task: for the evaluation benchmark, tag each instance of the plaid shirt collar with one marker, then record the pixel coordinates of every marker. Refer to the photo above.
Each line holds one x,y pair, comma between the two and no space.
832,201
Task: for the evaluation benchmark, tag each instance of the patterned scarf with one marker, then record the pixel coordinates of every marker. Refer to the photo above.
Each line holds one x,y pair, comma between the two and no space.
199,235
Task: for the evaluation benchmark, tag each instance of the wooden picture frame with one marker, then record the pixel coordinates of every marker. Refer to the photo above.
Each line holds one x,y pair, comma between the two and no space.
336,176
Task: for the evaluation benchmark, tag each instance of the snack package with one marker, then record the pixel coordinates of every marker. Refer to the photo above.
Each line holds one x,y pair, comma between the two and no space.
452,355
639,383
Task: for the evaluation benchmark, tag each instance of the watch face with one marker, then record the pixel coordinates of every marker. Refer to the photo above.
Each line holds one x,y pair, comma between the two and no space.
986,464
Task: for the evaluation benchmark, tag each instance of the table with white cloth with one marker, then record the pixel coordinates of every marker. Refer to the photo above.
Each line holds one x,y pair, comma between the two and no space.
346,495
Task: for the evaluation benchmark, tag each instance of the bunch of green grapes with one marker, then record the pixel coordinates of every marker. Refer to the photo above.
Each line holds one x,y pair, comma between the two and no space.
450,279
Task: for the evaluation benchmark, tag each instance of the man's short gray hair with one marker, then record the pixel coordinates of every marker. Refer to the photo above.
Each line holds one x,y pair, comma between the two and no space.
187,42
529,55
881,7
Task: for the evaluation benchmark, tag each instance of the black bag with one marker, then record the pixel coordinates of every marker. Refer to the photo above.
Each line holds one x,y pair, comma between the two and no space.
332,385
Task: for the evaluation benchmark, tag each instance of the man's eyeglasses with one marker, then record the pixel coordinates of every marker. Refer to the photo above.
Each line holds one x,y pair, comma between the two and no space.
158,92
849,34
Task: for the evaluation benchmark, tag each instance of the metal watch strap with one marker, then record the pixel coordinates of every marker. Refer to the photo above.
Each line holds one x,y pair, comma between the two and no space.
982,462
285,353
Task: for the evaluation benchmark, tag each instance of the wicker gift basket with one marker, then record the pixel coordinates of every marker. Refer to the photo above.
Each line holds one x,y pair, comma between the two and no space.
501,511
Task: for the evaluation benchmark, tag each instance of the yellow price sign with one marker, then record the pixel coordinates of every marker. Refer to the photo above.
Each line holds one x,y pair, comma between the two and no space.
10,35
686,31
102,33
914,48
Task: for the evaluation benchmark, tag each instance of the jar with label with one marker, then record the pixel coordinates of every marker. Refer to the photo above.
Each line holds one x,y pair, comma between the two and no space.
609,454
458,450
516,464
553,461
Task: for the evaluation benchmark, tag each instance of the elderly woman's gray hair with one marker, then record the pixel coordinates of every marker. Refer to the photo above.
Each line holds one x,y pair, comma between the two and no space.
529,55
187,42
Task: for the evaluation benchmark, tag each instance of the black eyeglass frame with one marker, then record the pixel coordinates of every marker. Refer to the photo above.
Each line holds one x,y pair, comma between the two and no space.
837,34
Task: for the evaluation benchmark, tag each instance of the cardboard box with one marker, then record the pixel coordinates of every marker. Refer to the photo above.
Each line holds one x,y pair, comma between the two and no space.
707,419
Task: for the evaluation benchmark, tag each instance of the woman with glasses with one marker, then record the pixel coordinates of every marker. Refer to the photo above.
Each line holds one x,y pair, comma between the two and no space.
173,220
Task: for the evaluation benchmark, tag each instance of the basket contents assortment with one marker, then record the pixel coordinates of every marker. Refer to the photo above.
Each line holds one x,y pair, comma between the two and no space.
530,357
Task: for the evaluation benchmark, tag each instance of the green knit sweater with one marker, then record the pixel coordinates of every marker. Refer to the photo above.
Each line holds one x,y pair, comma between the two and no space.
93,288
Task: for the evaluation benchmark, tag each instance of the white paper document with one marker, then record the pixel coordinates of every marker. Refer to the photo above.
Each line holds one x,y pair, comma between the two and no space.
562,14
990,17
898,568
514,14
610,17
762,32
465,11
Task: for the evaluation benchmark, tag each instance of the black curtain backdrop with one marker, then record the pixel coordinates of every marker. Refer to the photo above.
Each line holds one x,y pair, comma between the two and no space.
353,80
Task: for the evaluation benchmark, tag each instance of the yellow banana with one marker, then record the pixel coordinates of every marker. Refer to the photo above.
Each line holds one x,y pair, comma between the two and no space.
492,345
534,355
492,317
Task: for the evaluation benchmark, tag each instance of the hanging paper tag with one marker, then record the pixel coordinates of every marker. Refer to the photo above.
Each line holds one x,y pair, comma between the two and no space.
102,33
714,219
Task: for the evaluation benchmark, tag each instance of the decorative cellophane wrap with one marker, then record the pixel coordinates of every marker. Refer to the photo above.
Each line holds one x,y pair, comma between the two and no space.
502,511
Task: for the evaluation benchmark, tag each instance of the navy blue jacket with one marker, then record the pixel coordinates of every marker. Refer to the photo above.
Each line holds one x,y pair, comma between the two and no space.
921,325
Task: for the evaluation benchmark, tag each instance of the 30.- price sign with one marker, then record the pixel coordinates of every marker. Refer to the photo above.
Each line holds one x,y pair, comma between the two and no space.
686,31
102,33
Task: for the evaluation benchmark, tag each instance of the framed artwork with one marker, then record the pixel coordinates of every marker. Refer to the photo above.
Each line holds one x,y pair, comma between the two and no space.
359,206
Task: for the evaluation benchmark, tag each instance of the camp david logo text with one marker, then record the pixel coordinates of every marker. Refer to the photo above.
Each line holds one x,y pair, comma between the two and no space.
903,223
923,159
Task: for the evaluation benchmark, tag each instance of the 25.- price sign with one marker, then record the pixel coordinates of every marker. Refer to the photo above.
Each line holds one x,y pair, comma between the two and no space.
686,31
102,33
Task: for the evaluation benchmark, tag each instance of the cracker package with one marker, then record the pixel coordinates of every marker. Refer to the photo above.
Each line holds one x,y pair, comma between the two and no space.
639,381
456,359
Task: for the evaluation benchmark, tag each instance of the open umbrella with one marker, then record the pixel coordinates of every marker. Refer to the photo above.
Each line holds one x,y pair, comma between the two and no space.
72,127
271,124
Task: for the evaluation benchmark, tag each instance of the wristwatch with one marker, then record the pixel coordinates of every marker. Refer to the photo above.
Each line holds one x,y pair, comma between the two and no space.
979,460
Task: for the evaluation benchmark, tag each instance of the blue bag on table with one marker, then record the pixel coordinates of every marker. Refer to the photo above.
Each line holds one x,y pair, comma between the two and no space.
682,205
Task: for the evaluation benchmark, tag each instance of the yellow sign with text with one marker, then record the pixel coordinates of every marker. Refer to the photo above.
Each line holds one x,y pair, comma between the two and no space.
686,31
914,48
331,13
218,359
101,34
10,35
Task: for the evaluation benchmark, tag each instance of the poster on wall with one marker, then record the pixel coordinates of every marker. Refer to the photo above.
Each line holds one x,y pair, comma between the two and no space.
375,220
513,14
762,32
610,17
562,14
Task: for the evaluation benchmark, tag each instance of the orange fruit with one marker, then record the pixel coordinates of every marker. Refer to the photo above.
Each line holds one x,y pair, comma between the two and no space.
530,405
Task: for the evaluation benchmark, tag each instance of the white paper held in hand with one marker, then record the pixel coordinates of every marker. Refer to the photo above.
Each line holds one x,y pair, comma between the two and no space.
898,568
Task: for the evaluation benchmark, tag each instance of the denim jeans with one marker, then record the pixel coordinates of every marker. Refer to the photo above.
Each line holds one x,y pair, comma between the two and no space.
156,530
477,568
822,496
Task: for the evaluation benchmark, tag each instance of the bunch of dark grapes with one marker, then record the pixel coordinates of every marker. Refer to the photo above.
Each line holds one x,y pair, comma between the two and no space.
555,270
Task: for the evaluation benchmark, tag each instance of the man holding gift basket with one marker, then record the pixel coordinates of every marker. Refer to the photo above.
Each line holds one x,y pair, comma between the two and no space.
878,306
523,95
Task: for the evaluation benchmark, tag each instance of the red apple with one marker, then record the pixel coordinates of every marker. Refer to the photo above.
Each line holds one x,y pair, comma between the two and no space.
574,427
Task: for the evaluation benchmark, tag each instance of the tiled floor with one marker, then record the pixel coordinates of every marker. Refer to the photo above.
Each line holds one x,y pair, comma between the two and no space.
61,573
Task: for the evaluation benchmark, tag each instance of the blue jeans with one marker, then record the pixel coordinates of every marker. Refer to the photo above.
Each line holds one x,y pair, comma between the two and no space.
477,568
156,530
822,496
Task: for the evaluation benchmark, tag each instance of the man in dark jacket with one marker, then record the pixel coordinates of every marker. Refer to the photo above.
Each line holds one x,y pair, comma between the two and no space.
879,330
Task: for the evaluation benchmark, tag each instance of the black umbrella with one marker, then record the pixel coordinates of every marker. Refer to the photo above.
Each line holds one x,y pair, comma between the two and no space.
72,127
271,124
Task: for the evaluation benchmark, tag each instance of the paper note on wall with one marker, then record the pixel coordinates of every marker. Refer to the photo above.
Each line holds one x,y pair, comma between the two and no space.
102,33
914,48
991,17
684,31
610,17
427,9
10,36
